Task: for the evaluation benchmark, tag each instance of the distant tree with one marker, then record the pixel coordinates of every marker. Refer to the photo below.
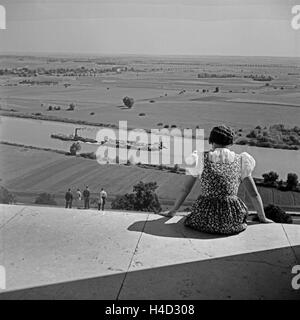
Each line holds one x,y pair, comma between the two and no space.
292,181
143,198
50,108
217,90
75,147
281,185
270,178
128,102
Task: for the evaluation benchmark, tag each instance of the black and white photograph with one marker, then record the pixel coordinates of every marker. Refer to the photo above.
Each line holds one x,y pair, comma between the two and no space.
149,150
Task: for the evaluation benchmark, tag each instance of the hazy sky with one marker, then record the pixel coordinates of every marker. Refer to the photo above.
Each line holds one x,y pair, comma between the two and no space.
198,27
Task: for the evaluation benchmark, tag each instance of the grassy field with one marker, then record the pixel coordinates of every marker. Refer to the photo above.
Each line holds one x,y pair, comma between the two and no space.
168,91
29,172
241,101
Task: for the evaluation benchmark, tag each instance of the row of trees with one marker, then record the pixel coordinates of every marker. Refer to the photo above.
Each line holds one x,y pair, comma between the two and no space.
255,77
128,102
271,179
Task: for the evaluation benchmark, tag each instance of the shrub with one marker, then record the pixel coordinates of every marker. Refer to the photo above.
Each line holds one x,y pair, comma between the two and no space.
270,178
5,196
277,214
128,102
75,147
281,186
143,198
125,202
45,198
292,181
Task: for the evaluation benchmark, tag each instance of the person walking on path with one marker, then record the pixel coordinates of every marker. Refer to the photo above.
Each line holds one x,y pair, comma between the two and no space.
102,199
69,199
86,197
218,209
78,198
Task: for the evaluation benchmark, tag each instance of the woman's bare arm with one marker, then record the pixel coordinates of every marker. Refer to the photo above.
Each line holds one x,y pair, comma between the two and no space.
256,199
186,189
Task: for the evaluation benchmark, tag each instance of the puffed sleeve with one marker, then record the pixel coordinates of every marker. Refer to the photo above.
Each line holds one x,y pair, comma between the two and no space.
248,164
194,164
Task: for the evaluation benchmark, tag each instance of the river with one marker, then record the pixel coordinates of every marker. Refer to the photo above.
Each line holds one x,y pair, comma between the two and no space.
37,133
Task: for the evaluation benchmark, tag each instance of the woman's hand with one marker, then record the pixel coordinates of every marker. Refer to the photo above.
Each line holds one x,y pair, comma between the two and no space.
170,213
266,220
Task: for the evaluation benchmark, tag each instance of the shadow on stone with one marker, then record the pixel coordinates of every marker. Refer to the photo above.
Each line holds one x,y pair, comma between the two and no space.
256,275
161,228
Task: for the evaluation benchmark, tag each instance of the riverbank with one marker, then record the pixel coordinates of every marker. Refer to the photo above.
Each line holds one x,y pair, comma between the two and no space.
274,137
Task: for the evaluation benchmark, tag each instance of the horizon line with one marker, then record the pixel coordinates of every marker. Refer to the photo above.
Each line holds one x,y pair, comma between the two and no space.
31,53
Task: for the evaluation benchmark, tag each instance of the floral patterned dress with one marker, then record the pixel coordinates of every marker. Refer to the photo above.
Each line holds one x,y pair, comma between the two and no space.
218,209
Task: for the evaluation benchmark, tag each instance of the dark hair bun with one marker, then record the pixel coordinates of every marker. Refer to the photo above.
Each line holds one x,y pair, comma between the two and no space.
221,135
